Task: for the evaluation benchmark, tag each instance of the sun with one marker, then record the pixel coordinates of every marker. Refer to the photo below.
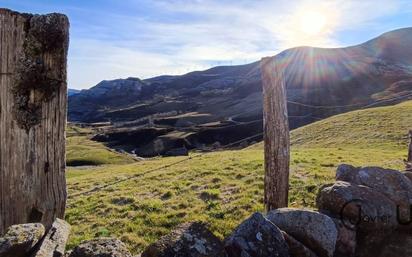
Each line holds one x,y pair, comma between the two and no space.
312,23
309,24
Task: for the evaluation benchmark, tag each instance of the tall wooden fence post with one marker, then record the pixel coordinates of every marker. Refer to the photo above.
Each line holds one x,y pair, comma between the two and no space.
33,99
409,160
276,135
410,147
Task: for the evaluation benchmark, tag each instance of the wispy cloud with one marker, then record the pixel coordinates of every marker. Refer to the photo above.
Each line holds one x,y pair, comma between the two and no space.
151,38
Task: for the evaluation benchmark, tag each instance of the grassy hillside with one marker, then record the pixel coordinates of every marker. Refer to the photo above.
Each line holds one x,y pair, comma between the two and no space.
222,188
384,127
82,151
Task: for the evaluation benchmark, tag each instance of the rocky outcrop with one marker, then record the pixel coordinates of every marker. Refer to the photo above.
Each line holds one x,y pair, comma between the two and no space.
315,230
189,239
256,236
20,240
101,247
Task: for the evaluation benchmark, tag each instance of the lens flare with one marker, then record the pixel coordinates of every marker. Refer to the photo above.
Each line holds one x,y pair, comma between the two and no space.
310,24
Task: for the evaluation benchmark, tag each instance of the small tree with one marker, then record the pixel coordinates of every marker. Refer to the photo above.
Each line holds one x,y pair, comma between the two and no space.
276,135
33,103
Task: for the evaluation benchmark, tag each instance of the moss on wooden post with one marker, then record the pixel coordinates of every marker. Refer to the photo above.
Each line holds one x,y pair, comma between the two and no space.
34,79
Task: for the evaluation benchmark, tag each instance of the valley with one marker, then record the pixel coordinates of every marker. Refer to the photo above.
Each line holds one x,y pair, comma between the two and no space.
223,187
171,115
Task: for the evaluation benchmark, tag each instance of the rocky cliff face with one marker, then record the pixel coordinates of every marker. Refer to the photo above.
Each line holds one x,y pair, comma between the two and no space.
113,94
71,92
340,79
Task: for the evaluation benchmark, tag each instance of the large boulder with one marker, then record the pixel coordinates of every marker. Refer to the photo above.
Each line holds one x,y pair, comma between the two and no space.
296,248
187,240
346,241
358,205
19,240
391,183
370,204
54,243
256,237
395,244
101,247
315,230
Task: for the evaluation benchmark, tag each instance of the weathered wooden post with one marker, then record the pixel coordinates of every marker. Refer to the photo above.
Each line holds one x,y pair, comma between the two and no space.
33,51
410,147
409,160
276,135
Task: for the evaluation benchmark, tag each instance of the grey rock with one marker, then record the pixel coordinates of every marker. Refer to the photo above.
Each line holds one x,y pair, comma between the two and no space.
358,205
296,248
393,244
348,173
187,240
346,241
256,237
102,247
315,230
19,240
54,243
408,174
364,202
391,183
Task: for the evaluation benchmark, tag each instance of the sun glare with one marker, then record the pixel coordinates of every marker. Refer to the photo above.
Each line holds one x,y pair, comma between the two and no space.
312,23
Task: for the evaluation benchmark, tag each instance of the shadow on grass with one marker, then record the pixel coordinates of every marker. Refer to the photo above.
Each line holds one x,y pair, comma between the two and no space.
77,163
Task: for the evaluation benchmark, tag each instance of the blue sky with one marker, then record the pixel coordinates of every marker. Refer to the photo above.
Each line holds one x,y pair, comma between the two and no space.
141,38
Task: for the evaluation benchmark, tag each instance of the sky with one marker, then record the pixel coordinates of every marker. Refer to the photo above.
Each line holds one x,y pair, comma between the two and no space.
112,39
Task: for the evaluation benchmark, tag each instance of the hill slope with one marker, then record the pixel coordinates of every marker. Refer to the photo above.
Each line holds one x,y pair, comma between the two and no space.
224,104
222,188
383,127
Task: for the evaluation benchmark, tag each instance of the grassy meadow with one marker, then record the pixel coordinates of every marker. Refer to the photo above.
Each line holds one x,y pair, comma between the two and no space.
219,188
81,151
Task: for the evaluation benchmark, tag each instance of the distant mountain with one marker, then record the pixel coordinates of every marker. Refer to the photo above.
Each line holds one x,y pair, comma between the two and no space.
224,104
91,104
71,92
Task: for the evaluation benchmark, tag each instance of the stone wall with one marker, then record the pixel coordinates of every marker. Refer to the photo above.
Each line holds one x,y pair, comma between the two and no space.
366,213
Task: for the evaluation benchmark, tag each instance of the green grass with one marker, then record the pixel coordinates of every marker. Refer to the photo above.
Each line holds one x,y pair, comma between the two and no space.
383,128
83,151
223,188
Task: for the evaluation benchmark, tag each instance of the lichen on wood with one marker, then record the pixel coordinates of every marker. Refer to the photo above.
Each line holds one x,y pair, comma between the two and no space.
34,80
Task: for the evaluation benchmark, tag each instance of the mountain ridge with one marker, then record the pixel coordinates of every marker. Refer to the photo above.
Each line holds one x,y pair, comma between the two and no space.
224,104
